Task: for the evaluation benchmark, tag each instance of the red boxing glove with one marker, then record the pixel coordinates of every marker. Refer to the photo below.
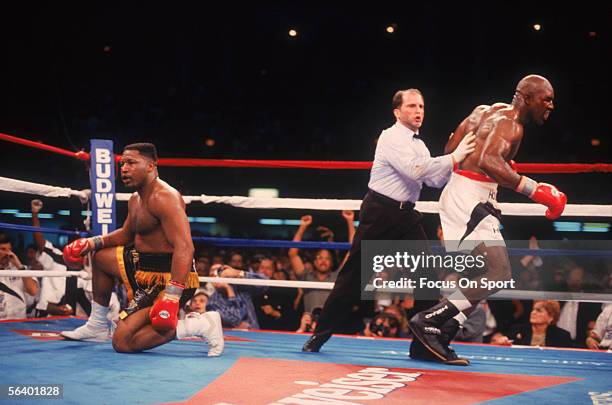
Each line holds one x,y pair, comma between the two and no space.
164,313
548,195
545,194
75,251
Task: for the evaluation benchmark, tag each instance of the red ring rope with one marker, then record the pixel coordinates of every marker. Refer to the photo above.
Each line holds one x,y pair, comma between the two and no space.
310,164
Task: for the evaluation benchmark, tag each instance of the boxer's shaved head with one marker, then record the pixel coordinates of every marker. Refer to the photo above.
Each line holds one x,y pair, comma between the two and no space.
534,96
533,84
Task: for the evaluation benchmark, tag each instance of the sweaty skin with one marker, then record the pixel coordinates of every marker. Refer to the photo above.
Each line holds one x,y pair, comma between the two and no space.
156,221
499,130
498,137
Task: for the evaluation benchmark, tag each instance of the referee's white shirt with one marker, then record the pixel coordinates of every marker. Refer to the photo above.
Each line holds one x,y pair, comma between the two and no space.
402,164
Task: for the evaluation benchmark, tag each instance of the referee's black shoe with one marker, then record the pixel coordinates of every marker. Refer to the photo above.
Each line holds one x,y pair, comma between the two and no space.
314,343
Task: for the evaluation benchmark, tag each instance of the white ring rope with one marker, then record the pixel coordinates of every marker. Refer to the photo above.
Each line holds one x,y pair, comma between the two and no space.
19,186
325,285
515,209
317,285
503,294
45,273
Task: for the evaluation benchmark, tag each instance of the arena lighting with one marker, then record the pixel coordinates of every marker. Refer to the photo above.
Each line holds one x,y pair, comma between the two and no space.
63,213
29,215
17,214
23,215
595,142
595,227
293,33
209,142
9,211
562,226
276,221
270,221
390,29
263,192
295,222
567,226
286,222
537,27
202,220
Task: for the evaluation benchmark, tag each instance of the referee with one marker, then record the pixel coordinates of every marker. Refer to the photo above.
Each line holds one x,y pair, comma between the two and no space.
402,163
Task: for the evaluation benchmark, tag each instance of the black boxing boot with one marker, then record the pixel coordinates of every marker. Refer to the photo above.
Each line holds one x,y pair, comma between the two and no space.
427,326
449,330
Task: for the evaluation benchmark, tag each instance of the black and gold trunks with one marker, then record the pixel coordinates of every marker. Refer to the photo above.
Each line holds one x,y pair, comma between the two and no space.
145,271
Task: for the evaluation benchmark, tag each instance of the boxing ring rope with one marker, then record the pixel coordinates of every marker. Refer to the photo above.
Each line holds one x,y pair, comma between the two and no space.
430,207
515,209
44,190
549,168
326,285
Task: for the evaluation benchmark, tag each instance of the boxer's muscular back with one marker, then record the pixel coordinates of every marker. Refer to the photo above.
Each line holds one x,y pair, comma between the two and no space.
484,121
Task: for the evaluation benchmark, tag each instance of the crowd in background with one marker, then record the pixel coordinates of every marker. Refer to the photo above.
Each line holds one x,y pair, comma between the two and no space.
526,322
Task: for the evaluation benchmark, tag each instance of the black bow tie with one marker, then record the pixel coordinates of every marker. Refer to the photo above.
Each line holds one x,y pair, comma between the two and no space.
417,136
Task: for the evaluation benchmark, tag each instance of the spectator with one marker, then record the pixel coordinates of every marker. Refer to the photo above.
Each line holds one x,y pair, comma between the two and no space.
400,314
276,307
236,261
266,267
308,322
321,269
601,335
283,263
541,330
576,315
234,302
474,327
383,325
255,261
202,265
31,259
58,296
198,303
13,290
217,259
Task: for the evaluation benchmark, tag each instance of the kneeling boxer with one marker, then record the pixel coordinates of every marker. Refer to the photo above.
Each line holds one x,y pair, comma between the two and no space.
153,255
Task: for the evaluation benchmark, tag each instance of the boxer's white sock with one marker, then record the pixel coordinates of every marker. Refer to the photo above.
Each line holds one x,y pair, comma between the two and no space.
459,301
460,317
97,318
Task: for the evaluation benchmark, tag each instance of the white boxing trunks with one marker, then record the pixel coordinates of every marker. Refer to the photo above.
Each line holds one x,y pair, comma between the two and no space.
469,212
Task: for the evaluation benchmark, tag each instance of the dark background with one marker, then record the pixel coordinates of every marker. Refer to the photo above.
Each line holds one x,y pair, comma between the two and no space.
178,75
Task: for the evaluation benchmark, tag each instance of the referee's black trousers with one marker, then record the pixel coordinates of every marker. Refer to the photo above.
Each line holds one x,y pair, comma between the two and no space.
380,218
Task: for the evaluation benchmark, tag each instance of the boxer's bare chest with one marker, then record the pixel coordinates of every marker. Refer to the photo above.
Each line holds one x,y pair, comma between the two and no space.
143,221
